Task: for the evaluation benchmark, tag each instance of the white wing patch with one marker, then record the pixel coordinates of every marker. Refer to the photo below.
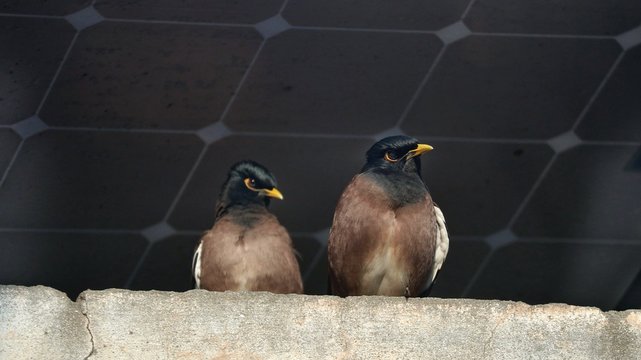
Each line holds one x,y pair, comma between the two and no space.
195,265
442,242
442,246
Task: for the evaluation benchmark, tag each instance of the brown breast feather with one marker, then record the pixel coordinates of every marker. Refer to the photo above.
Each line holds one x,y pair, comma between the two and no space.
366,223
258,258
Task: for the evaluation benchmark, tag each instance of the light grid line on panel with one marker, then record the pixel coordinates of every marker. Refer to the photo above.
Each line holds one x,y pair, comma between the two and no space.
185,183
610,142
44,98
467,9
333,136
32,16
544,36
589,241
11,162
302,135
482,140
544,173
194,167
596,93
355,29
488,257
123,130
57,73
477,274
329,28
313,264
176,22
420,87
321,237
232,100
221,119
282,7
96,231
72,231
151,234
141,261
533,189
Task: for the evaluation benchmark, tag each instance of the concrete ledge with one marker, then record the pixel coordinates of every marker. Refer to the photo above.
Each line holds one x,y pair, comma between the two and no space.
204,325
41,323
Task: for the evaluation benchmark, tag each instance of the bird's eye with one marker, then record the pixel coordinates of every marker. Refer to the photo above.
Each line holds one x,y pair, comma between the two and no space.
250,183
391,157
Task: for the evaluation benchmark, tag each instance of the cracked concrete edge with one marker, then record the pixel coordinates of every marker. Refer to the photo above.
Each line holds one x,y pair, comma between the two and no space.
84,309
202,325
123,324
41,323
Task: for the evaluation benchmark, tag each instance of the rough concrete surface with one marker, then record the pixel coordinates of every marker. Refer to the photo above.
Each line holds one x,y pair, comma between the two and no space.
41,323
205,325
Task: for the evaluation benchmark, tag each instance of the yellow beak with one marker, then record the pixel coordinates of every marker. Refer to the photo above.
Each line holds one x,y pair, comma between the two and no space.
420,148
273,193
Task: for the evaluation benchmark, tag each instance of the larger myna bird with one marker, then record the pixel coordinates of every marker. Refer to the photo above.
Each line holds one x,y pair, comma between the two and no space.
247,249
387,237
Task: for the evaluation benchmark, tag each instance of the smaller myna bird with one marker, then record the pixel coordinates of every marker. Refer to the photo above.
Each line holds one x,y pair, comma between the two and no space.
387,237
247,249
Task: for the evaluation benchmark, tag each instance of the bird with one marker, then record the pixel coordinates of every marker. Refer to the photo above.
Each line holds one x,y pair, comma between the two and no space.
387,237
247,249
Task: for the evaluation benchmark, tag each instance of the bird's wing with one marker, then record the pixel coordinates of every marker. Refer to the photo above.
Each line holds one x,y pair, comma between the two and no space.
442,247
442,241
195,265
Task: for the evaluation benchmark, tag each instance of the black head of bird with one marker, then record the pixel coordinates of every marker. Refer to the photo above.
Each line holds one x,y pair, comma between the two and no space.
396,153
394,163
247,183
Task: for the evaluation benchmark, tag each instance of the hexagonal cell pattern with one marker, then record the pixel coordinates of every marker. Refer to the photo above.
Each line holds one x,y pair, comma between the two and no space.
42,7
587,193
71,262
589,17
150,76
376,14
95,180
236,11
507,87
616,113
32,52
332,82
552,271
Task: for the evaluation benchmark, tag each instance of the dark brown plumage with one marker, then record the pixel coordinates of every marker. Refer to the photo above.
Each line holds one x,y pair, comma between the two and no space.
247,249
387,237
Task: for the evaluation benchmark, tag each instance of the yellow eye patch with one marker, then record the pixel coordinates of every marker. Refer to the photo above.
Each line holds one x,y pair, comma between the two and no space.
390,157
250,184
